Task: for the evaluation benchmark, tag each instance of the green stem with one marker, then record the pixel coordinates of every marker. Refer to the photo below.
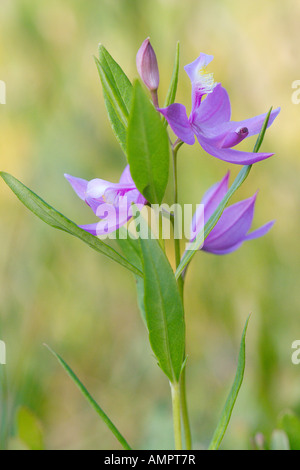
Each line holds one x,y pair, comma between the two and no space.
175,149
175,390
180,281
185,415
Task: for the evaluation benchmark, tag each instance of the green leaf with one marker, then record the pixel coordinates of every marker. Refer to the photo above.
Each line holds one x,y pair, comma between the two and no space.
163,306
290,424
55,219
117,92
29,429
141,298
170,98
130,247
91,401
279,440
147,147
132,250
211,223
231,399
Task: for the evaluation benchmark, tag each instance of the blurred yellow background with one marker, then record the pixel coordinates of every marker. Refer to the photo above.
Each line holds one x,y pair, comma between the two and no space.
55,290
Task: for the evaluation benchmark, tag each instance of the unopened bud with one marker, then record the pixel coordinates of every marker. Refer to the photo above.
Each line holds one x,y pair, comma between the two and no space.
147,65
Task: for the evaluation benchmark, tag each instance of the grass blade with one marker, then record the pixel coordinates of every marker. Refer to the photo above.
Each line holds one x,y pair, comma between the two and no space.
230,402
170,98
91,400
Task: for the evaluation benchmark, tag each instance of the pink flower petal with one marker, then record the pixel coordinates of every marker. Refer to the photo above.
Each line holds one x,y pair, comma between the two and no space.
232,156
176,116
78,184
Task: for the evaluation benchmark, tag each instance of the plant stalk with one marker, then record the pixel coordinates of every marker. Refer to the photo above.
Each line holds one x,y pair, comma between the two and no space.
185,414
175,149
175,390
180,282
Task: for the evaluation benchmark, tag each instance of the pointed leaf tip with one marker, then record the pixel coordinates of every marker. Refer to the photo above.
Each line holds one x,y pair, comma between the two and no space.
233,394
117,92
91,400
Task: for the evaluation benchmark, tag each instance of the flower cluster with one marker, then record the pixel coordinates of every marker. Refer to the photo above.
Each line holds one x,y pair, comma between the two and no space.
210,123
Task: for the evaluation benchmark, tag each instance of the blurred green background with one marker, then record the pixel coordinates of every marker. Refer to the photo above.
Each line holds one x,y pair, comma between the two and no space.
55,290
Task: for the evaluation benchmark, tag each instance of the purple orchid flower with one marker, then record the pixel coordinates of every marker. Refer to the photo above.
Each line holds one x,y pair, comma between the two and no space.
210,121
232,229
111,202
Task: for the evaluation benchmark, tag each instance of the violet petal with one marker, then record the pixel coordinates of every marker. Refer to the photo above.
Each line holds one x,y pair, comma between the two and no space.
176,116
215,109
232,156
233,225
78,184
260,232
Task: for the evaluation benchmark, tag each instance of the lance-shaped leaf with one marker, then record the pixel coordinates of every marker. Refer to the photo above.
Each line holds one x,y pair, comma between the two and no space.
91,401
130,246
132,250
170,98
55,219
231,399
147,147
171,94
117,92
211,223
163,306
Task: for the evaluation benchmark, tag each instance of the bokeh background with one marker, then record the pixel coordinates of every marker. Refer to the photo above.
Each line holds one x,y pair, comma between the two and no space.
55,290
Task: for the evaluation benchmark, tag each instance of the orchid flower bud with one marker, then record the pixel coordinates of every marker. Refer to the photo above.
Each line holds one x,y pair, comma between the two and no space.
147,65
